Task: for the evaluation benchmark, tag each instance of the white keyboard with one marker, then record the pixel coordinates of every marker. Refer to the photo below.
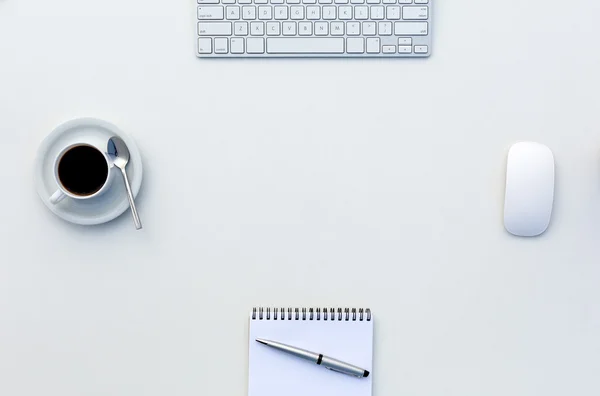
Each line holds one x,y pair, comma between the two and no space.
314,28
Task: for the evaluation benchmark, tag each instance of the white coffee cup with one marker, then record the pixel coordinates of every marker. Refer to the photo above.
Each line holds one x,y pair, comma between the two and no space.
102,185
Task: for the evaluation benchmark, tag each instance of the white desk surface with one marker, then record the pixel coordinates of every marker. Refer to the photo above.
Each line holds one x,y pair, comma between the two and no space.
297,183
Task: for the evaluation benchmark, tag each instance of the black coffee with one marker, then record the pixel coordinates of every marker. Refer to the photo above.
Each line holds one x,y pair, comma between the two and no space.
82,170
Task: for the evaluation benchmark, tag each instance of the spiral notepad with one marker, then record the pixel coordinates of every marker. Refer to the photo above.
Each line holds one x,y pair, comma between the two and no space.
343,333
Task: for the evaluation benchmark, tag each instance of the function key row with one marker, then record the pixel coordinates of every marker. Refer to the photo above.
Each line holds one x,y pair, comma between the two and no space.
313,1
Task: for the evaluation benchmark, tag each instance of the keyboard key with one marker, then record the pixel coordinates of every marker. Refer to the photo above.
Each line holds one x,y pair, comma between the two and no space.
329,12
410,13
241,28
265,12
337,28
244,1
355,45
393,12
305,45
341,1
309,1
369,28
305,28
289,28
273,28
377,12
389,1
214,28
257,28
281,12
385,28
261,1
361,13
405,1
221,44
210,13
325,1
353,28
237,45
248,12
404,41
233,12
411,28
421,49
255,45
205,45
404,49
313,13
373,45
228,1
277,1
345,12
389,49
373,1
208,1
357,1
293,1
421,1
321,28
297,12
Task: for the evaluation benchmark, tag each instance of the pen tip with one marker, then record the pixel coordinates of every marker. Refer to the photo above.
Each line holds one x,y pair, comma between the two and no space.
261,341
366,374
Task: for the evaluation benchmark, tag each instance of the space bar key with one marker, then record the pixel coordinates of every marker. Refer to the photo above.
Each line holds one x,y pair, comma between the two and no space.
305,45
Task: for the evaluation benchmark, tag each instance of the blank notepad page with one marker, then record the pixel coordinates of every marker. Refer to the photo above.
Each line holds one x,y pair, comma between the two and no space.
346,338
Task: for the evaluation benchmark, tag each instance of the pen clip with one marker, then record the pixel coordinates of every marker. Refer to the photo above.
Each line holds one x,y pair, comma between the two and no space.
342,372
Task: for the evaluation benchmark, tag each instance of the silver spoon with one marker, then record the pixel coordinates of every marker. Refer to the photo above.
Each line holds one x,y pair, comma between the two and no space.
119,153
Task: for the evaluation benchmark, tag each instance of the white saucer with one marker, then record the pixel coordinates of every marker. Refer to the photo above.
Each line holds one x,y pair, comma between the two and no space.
92,211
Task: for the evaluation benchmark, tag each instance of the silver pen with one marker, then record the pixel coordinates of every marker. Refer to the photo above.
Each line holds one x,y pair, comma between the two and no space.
320,359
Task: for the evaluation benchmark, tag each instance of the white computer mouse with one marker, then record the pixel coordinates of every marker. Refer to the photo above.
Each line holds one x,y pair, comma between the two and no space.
529,189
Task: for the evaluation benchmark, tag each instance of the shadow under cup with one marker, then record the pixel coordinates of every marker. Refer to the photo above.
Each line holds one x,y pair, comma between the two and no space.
82,170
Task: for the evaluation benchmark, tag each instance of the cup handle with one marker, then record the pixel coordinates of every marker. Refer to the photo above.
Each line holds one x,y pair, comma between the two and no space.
57,197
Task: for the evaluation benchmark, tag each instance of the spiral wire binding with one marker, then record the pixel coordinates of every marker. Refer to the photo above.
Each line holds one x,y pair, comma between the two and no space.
331,314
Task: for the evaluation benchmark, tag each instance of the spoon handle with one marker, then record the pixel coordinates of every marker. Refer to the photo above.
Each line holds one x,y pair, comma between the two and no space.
134,213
